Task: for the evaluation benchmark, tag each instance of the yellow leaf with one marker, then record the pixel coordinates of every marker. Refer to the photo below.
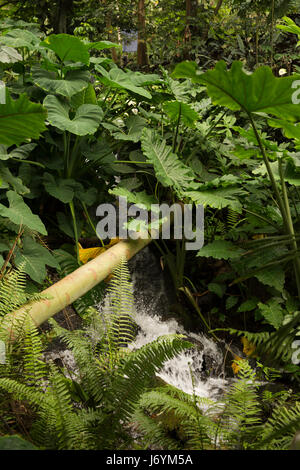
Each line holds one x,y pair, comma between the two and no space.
235,366
85,254
248,348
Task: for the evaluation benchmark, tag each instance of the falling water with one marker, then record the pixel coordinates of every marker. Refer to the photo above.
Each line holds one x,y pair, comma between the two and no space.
153,297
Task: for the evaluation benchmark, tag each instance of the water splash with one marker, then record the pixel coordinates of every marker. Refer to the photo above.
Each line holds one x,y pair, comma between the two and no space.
152,295
177,371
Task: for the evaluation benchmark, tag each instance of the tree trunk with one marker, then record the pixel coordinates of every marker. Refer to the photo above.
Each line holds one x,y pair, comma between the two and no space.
60,17
218,6
142,57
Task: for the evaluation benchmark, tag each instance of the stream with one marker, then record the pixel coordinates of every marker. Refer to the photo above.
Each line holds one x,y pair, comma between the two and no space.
153,295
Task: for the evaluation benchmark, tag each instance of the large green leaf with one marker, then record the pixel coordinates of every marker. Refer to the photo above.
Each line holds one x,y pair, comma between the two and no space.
20,38
272,312
86,120
100,45
20,214
221,249
135,125
86,96
67,48
7,177
143,79
9,55
62,189
255,92
218,198
116,78
20,120
141,199
169,170
178,109
18,153
15,443
74,82
34,257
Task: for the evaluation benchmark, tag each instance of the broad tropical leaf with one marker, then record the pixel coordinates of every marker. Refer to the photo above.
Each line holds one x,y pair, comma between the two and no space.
9,55
221,249
86,96
86,120
62,189
135,125
74,82
20,120
169,170
34,257
15,442
141,199
290,27
100,45
255,92
116,78
20,38
67,48
7,177
178,109
218,198
20,214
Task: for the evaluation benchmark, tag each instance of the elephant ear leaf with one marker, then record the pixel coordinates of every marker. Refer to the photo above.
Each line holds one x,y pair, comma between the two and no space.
85,121
20,120
67,48
257,92
20,214
34,257
177,110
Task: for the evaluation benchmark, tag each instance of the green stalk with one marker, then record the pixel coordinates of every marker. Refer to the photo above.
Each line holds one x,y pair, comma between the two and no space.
177,128
270,173
90,222
71,205
294,245
73,156
190,297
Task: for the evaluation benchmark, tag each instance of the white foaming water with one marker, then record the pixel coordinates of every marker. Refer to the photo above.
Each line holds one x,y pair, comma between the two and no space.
177,371
204,361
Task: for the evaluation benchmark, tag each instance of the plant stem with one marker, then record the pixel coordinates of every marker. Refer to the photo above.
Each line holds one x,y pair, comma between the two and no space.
90,222
177,128
294,245
71,205
270,173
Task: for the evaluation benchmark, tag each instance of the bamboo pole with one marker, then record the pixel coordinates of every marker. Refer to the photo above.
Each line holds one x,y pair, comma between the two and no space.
74,285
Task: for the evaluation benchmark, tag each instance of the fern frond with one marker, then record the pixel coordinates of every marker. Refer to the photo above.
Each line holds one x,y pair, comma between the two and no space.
280,428
12,291
242,411
155,433
139,367
21,391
